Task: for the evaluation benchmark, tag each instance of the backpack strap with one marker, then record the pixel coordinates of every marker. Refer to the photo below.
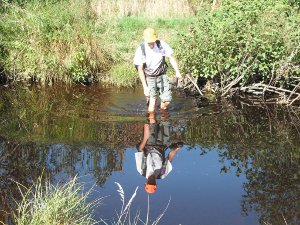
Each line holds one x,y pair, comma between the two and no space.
143,48
158,44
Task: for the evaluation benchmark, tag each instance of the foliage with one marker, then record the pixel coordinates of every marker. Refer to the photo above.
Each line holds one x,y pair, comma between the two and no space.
246,40
49,41
48,204
123,75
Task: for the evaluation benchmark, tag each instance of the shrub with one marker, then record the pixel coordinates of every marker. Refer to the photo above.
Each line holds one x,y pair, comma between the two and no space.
246,41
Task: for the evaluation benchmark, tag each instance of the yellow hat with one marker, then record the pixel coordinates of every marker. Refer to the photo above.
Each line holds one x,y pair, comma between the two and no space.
150,35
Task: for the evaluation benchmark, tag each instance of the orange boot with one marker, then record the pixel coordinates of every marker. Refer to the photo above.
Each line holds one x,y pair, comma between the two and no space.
151,117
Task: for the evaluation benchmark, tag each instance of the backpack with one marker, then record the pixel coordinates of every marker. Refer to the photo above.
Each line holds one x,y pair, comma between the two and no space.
144,52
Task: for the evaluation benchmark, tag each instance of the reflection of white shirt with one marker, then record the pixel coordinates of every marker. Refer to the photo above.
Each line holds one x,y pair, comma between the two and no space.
153,56
154,163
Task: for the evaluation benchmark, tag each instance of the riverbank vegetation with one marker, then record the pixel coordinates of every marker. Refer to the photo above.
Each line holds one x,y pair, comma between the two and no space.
85,41
235,45
45,203
252,45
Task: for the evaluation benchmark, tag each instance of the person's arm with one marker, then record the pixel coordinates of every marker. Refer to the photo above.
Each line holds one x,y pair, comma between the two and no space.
175,148
178,76
173,153
168,52
143,80
174,64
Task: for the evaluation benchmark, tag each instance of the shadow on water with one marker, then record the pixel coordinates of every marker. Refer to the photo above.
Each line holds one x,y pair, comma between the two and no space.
64,132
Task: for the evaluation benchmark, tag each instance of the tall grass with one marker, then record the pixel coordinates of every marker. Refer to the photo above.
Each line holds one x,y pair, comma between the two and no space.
67,204
52,41
124,215
48,204
142,8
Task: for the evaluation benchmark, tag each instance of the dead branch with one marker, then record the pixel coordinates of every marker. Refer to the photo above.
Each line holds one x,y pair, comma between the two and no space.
232,83
194,83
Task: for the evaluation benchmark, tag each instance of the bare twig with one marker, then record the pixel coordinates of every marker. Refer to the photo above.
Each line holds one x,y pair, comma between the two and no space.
234,82
188,76
294,90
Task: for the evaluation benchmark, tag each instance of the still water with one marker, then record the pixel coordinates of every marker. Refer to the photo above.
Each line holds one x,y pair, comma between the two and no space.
239,163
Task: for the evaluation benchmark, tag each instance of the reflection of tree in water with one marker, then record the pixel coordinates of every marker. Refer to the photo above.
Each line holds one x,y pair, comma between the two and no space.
24,163
64,161
273,187
262,143
17,164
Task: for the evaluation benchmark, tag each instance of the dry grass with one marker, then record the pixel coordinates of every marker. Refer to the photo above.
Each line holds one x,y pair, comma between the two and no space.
142,8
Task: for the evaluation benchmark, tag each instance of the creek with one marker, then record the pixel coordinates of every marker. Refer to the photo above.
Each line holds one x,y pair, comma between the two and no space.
239,163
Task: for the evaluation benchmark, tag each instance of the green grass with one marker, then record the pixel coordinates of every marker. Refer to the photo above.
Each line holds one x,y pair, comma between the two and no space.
60,204
67,41
67,204
127,34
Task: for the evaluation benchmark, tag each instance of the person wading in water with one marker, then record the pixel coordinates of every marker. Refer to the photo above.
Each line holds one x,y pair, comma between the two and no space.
150,62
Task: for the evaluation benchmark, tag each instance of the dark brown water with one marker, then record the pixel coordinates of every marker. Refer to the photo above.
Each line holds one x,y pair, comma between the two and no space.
240,164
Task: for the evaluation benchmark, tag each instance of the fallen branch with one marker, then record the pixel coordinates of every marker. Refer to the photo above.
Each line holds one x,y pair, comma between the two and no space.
255,88
229,86
294,90
194,83
275,88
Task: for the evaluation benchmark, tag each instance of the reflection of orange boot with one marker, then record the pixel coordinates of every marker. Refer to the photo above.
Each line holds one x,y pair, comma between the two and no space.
164,114
151,117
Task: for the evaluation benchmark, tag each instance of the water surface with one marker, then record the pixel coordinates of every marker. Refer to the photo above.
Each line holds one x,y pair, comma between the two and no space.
240,164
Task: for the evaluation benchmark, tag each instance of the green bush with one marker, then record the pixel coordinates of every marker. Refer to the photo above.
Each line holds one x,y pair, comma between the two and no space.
249,40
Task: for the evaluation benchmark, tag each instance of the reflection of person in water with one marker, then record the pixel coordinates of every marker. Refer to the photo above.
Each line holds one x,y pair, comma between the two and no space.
150,158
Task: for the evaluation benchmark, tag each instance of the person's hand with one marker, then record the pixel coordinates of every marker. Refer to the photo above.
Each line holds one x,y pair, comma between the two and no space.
178,75
146,91
180,144
180,83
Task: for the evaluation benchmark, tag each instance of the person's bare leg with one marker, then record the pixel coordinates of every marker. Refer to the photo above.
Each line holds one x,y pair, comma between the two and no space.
151,109
152,104
164,105
164,110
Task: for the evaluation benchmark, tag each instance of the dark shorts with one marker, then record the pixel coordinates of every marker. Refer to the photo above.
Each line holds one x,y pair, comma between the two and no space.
160,134
162,88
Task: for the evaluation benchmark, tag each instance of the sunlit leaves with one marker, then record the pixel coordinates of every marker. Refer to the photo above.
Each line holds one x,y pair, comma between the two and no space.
243,38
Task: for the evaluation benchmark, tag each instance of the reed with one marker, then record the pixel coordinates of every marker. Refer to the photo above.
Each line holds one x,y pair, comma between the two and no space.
61,204
124,215
67,204
142,8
